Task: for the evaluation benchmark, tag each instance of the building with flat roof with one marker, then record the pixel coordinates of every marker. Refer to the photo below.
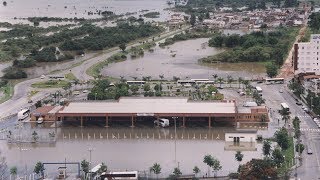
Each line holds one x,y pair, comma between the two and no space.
157,107
306,56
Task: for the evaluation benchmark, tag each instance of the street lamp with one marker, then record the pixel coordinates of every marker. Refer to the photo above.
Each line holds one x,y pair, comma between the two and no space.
95,96
90,150
175,138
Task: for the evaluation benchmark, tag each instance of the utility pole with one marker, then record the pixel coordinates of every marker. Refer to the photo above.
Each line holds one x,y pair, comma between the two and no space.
90,150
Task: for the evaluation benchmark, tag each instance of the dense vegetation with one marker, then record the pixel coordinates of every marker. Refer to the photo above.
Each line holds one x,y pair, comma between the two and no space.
99,38
254,47
193,34
102,90
14,73
152,15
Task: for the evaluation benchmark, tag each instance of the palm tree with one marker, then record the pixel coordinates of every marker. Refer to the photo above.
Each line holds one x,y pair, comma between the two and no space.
13,171
246,83
215,76
103,168
220,80
240,80
285,113
238,156
196,170
229,79
156,169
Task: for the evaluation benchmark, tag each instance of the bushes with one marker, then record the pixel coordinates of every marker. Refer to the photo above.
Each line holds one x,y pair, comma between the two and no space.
13,73
28,62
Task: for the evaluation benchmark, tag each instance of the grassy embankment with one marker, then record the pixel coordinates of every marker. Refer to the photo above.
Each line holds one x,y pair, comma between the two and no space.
51,84
7,91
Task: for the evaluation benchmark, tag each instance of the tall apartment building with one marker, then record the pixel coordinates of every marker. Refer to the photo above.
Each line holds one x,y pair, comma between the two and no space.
306,56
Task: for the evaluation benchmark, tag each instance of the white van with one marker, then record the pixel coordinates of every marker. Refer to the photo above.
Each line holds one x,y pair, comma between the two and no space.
162,122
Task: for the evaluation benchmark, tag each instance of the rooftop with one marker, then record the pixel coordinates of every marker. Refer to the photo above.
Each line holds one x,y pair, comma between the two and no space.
150,105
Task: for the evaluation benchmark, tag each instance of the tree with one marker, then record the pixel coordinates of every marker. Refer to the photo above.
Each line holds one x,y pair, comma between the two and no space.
196,170
277,157
38,104
271,69
176,172
158,87
258,169
146,87
285,113
314,21
266,148
216,41
122,47
193,19
240,80
35,136
229,80
282,138
103,168
39,168
156,169
212,163
263,118
134,88
258,99
220,80
299,148
13,171
85,167
239,156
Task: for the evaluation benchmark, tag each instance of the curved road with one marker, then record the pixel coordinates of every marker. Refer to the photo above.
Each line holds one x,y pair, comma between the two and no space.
20,98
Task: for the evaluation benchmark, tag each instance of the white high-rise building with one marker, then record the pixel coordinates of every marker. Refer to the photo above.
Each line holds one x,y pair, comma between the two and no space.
306,57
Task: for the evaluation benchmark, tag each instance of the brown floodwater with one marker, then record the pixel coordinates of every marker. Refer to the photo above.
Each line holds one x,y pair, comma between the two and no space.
184,64
129,148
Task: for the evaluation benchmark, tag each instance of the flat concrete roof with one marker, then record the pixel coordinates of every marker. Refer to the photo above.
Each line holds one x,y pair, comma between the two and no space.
140,105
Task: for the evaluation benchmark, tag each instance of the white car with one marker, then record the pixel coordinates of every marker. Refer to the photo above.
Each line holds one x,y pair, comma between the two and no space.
162,122
85,91
42,76
281,91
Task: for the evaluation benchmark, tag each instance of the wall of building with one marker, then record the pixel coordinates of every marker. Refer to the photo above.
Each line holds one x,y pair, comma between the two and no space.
243,137
307,55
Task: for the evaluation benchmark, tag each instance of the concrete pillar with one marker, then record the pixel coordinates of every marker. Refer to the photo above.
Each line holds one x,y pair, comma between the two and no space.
81,121
132,121
209,123
107,121
183,121
55,121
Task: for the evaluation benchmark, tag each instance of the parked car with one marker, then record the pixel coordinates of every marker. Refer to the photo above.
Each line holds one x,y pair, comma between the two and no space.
298,103
309,150
85,91
281,91
42,76
162,122
306,109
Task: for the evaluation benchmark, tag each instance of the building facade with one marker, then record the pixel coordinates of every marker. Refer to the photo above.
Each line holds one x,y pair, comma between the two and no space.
306,56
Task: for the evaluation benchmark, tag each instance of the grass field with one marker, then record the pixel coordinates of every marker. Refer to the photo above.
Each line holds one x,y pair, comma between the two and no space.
51,84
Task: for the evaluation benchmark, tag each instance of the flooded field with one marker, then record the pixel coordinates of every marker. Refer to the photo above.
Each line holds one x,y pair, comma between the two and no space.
130,148
184,64
78,8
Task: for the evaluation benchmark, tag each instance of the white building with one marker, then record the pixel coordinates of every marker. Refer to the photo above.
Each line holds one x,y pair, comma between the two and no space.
306,57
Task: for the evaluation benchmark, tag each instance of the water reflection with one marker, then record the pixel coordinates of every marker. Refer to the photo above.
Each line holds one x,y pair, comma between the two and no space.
184,63
130,148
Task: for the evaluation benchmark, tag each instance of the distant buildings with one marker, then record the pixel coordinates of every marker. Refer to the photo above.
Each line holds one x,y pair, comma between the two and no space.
306,57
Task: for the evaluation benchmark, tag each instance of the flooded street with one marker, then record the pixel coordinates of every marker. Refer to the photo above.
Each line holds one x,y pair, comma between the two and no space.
184,64
131,148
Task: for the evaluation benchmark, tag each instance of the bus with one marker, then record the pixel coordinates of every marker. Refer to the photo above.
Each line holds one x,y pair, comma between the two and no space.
275,81
120,175
24,113
285,106
56,77
135,82
259,90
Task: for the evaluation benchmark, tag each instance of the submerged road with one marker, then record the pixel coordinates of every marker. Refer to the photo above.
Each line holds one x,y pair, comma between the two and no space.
20,98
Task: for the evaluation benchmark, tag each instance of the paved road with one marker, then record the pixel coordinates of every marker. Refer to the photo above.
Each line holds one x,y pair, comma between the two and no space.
21,90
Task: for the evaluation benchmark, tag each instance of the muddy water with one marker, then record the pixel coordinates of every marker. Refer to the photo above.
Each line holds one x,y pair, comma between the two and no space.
184,64
131,149
45,68
78,8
